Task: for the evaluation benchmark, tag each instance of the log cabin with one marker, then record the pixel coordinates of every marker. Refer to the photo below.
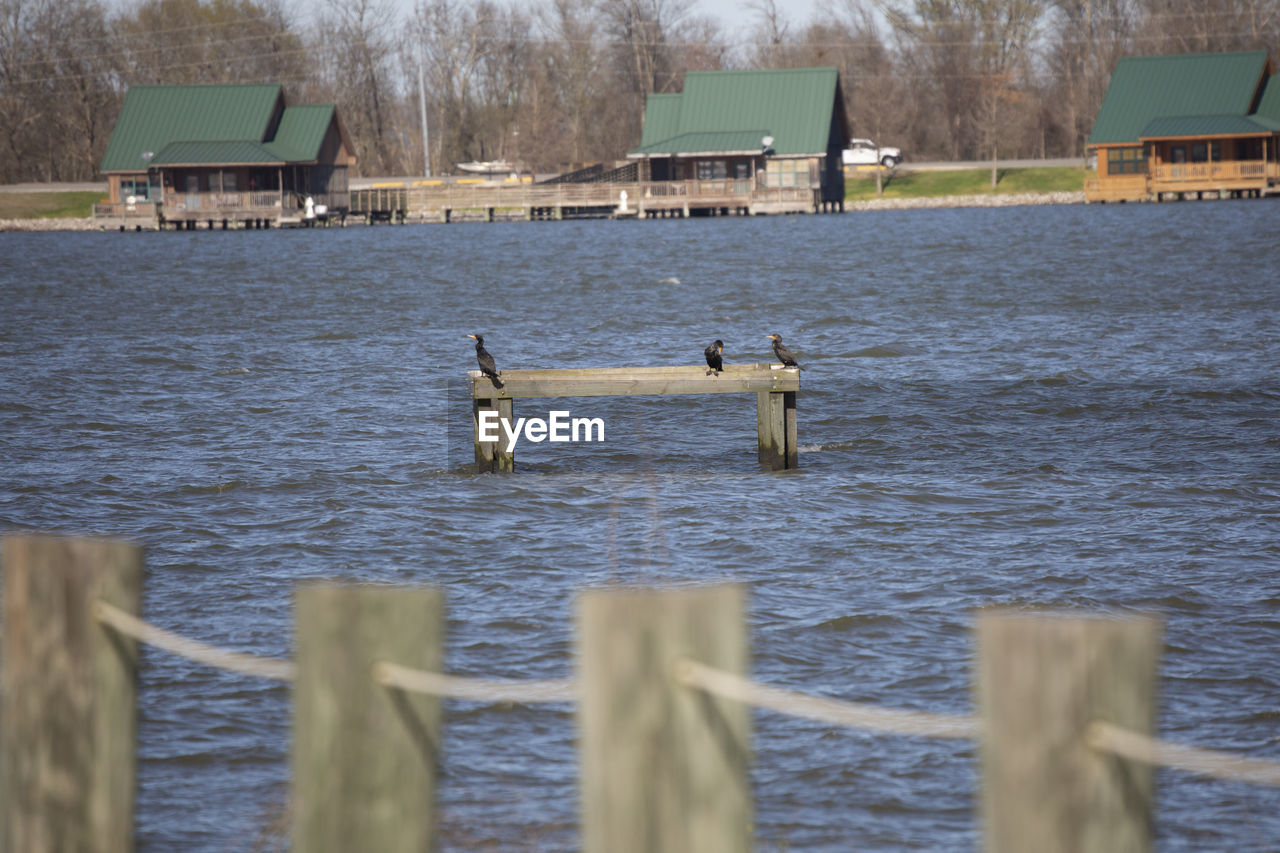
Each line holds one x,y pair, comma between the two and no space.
765,140
229,154
1191,125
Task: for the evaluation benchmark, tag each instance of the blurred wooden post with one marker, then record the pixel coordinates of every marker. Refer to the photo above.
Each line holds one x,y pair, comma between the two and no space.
663,767
1042,678
68,696
364,756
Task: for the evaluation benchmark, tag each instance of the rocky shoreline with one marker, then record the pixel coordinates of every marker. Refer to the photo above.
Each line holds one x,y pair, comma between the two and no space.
997,200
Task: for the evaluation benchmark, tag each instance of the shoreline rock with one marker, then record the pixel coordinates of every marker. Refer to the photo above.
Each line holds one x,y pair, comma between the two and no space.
55,224
993,200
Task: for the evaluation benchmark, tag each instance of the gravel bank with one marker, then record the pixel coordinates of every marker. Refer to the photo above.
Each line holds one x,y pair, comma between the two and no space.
1001,200
61,224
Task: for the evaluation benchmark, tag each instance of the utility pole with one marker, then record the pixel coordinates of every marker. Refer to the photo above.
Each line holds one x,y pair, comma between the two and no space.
422,108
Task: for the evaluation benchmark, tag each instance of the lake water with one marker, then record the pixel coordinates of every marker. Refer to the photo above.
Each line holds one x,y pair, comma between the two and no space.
1065,406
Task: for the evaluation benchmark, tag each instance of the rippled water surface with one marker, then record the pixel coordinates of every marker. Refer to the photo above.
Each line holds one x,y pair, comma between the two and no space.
1067,406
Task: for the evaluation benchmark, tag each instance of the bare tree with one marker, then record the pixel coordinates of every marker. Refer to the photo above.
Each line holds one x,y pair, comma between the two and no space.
1087,38
573,60
1190,26
57,93
194,41
357,45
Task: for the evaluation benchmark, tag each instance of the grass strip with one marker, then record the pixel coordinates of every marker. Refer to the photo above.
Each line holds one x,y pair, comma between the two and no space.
861,186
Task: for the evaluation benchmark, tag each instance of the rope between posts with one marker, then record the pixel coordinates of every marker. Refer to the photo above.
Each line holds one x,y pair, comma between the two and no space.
477,689
854,715
1101,736
1129,744
131,626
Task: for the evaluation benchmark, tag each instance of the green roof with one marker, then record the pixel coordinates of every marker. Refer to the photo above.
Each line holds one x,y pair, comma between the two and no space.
722,142
214,125
301,132
215,153
796,106
154,116
661,118
1269,103
1144,88
1167,127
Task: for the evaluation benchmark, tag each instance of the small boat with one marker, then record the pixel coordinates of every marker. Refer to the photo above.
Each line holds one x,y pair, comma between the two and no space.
487,167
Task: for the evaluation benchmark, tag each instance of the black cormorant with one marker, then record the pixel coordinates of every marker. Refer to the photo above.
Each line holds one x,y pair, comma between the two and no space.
784,355
713,353
487,365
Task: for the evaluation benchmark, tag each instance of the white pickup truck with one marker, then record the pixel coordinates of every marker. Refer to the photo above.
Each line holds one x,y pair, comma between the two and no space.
864,152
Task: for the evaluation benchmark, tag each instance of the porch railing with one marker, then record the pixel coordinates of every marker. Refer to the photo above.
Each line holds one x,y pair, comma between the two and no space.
123,210
1229,170
285,203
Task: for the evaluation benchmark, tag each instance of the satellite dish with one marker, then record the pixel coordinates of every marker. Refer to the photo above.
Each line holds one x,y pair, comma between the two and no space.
147,155
766,143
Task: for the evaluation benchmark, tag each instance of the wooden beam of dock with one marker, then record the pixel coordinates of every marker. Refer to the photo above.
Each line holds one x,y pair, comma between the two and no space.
774,385
636,381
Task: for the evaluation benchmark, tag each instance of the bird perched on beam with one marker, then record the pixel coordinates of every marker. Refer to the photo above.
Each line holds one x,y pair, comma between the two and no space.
713,354
784,355
487,365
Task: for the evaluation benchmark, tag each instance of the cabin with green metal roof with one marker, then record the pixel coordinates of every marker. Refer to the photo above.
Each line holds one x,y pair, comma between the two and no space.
228,154
761,141
1188,125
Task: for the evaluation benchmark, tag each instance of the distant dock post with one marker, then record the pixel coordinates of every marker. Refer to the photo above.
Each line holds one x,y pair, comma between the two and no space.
774,385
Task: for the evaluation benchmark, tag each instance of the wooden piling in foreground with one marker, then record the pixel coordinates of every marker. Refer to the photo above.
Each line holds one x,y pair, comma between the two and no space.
664,767
364,755
68,696
1042,678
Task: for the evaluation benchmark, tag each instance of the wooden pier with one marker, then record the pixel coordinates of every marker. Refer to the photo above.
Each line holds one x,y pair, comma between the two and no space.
775,388
491,201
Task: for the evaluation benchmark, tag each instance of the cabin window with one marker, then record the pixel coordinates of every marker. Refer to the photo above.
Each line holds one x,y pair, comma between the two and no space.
742,171
787,173
136,187
1199,152
1126,161
1178,154
712,170
228,182
1248,149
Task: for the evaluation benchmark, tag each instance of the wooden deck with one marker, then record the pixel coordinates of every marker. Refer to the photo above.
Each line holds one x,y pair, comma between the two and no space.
485,201
185,211
489,201
1183,180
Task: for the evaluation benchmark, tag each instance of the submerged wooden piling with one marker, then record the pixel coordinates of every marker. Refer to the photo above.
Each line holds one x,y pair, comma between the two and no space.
68,716
774,385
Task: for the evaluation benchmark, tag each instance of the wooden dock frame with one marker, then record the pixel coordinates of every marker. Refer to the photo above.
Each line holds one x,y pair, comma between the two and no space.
775,388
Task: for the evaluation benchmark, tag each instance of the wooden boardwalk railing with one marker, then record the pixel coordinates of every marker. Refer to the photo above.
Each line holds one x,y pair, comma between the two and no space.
1066,710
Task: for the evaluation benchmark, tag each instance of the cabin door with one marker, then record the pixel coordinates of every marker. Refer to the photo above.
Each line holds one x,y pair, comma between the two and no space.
193,192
